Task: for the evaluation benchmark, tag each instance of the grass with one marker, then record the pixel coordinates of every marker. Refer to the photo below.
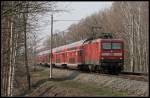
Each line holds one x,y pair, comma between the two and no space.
40,73
91,88
38,77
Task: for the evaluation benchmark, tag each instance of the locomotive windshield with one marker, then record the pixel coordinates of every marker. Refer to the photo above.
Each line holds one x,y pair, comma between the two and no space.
106,45
116,45
111,45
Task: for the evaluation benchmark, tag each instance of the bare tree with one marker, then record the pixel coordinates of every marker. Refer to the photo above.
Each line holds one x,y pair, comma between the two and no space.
14,29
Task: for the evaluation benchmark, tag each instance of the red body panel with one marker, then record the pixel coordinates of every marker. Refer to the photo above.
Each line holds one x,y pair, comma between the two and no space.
91,52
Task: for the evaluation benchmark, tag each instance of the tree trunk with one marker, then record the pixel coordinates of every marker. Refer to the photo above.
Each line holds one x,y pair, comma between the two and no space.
25,45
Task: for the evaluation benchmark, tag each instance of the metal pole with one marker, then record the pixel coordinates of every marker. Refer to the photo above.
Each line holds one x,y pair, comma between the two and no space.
51,46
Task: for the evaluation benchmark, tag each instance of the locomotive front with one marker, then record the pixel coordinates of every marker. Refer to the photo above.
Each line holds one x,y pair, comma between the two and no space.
111,55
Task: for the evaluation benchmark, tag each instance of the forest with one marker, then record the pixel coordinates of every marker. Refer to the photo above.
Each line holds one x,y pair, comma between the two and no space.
125,20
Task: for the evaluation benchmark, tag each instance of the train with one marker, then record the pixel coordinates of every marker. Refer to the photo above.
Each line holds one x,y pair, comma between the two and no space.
103,55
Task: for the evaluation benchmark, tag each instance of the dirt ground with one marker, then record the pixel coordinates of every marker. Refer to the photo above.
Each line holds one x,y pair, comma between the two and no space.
72,83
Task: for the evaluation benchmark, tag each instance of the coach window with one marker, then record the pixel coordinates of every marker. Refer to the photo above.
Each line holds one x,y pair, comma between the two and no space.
58,60
106,45
80,52
63,54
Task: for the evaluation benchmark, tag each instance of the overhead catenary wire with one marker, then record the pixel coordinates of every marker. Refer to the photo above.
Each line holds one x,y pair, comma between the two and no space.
65,20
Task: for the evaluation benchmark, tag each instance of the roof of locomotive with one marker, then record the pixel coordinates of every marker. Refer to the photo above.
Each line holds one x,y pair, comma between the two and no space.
118,40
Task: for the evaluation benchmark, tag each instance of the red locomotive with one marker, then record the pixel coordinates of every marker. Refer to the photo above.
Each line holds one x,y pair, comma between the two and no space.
103,55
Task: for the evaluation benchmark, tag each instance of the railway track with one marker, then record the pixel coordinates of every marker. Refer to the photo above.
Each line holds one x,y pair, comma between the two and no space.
134,77
135,73
124,75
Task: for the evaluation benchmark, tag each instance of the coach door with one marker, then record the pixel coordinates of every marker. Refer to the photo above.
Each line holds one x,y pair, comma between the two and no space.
80,56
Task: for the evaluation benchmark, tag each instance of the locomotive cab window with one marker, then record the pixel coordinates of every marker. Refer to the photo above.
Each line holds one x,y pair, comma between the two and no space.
113,45
116,46
106,45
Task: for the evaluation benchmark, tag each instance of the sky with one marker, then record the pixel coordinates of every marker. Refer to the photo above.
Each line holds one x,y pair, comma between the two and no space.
77,11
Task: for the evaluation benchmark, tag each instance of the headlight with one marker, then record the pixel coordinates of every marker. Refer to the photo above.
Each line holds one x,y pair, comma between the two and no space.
106,54
117,54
